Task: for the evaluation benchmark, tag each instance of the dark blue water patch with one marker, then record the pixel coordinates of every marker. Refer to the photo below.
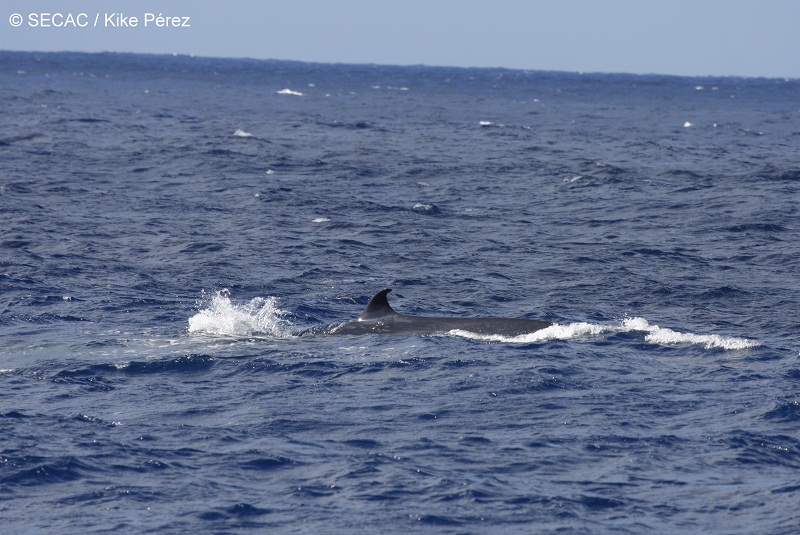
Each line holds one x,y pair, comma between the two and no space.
16,244
103,375
785,412
314,370
677,254
37,470
770,228
793,374
92,497
364,444
725,292
595,503
87,380
612,444
244,510
359,125
111,343
788,489
14,415
265,462
24,137
443,521
192,363
777,450
791,175
89,120
314,491
236,511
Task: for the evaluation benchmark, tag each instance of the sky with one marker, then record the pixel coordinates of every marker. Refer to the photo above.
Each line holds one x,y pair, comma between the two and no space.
751,38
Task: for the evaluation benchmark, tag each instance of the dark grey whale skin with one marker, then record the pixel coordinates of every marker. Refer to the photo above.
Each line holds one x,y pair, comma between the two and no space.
380,318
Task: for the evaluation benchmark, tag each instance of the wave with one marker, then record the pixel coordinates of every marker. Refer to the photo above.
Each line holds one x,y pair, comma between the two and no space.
259,317
654,335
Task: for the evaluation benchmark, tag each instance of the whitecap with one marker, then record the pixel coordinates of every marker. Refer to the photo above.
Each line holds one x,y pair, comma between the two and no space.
320,220
242,133
288,91
258,317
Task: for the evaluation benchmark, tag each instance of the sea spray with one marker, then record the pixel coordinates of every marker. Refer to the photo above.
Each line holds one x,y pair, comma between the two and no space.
220,316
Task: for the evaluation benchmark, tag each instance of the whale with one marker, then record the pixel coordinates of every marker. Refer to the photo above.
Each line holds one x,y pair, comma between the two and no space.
380,318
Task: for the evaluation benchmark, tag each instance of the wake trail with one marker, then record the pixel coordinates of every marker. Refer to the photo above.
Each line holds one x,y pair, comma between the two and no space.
653,334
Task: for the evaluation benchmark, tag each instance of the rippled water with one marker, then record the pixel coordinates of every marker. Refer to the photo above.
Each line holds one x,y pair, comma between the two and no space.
173,225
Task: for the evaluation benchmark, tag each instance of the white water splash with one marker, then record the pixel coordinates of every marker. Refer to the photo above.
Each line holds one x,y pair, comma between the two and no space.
654,335
257,317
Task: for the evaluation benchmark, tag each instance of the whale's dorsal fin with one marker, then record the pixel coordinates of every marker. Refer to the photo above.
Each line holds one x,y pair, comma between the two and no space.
378,306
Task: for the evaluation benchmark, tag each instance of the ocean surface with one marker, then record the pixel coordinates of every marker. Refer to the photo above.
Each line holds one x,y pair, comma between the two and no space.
171,228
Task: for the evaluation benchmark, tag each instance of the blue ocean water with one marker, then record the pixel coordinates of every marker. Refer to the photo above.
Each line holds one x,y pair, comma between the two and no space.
171,225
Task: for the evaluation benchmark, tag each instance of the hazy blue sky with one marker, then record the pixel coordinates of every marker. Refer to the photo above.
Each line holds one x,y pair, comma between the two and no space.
685,37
